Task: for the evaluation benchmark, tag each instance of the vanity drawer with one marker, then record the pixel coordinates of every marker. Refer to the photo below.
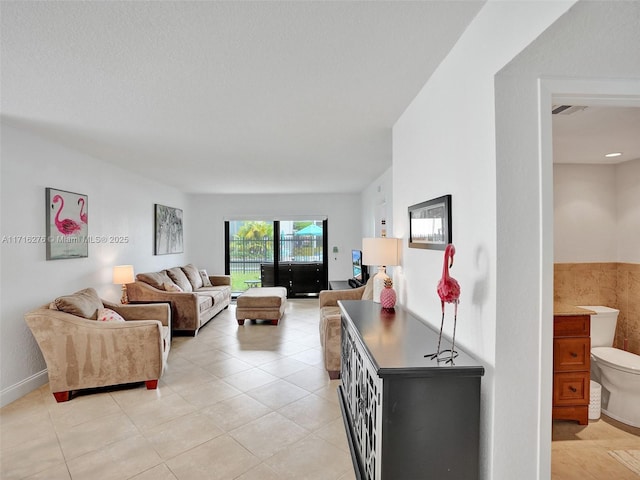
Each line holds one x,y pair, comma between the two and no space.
571,388
571,354
571,326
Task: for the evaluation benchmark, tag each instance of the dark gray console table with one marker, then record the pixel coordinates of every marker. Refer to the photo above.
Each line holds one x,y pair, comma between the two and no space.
406,417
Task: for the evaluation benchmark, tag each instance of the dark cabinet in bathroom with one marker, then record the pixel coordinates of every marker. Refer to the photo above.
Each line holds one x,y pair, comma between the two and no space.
571,364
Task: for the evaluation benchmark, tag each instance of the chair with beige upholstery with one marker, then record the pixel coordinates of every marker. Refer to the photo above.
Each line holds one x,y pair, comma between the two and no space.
330,333
83,352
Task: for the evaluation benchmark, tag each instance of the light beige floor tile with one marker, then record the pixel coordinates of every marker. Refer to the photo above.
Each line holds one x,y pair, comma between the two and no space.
208,393
329,390
235,412
164,409
311,378
310,459
228,367
269,434
25,429
82,409
312,356
283,367
261,472
116,461
219,459
249,379
95,435
277,394
181,434
334,433
324,412
30,458
159,472
59,472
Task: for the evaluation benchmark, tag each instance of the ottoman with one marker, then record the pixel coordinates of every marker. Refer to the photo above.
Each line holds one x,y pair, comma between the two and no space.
262,303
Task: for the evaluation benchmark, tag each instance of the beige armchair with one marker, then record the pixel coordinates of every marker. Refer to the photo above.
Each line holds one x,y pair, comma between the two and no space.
330,334
81,352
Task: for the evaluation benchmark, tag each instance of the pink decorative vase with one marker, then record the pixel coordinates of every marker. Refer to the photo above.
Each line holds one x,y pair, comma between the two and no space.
388,297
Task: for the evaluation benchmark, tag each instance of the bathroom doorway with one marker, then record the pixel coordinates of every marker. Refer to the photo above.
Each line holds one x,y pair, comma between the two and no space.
588,248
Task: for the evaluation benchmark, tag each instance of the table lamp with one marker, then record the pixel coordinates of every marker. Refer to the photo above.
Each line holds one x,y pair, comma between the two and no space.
382,251
123,274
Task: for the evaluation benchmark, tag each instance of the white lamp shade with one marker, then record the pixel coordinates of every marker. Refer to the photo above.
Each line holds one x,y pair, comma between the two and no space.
123,274
380,251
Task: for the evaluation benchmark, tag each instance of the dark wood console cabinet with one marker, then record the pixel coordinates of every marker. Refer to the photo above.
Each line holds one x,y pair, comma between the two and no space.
297,278
406,417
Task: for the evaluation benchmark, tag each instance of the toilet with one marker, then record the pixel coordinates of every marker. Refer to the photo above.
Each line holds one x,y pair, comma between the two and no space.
616,370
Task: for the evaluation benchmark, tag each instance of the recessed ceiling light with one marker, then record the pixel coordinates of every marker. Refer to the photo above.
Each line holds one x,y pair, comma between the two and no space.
613,154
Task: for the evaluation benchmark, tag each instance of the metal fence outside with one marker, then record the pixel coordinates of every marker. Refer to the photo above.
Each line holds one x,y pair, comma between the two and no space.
246,255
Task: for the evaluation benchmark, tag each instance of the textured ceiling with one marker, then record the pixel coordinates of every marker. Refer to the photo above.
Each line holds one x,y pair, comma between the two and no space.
225,97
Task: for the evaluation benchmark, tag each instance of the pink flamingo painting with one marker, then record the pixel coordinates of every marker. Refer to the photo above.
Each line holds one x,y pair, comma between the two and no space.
65,226
449,292
83,215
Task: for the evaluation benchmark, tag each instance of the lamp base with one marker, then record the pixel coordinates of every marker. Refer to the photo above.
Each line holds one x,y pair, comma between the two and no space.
125,298
378,283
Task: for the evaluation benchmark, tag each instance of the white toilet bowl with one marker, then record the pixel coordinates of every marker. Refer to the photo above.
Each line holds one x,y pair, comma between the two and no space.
616,370
619,375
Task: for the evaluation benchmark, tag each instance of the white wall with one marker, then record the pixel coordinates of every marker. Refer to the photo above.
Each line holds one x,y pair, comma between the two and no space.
206,232
377,198
119,204
628,211
596,212
584,208
445,143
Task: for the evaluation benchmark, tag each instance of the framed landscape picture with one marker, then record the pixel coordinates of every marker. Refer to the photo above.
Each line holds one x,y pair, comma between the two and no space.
67,224
430,224
168,230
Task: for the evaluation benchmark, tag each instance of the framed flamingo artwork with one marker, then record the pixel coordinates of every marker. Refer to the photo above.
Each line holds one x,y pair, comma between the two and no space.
67,224
430,224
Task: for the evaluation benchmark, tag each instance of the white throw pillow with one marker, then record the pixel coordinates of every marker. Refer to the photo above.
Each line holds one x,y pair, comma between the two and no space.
205,278
108,315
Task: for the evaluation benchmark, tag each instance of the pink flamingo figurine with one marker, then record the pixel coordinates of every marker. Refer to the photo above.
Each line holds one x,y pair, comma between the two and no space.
449,292
83,215
65,226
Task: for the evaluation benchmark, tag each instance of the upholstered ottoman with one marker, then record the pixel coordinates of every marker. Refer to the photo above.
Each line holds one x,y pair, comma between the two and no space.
265,303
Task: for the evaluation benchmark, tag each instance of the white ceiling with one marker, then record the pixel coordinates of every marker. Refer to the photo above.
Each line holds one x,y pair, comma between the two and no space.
587,135
225,97
246,97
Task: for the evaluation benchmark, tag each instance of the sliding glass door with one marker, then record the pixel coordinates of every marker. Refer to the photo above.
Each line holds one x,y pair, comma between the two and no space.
287,253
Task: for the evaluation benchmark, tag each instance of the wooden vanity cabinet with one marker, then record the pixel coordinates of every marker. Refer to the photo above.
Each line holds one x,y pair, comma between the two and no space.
571,367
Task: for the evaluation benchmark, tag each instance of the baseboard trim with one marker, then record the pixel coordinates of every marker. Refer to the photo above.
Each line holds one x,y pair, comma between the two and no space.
20,389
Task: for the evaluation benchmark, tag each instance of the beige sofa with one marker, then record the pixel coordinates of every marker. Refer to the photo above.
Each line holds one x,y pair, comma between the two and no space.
192,303
330,336
82,352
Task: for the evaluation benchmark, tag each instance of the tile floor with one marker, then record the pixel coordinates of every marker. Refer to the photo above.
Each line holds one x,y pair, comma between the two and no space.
246,403
580,452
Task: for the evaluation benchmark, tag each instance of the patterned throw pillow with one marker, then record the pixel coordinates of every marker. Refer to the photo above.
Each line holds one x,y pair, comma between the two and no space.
172,287
205,278
108,315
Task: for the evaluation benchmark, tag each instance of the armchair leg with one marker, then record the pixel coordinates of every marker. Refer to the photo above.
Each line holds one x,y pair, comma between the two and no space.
334,374
62,396
151,384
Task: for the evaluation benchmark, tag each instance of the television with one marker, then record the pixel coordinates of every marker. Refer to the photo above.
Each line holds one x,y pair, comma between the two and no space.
359,270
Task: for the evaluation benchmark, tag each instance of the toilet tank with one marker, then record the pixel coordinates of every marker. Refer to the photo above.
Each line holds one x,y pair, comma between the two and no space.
603,325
